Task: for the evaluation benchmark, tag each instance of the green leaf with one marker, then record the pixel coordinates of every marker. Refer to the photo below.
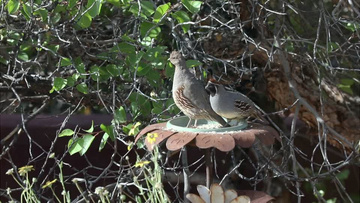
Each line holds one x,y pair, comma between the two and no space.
133,59
85,143
140,144
192,6
60,8
53,48
82,88
3,61
120,115
13,6
347,81
333,46
103,141
124,47
23,56
343,175
345,85
146,42
104,74
96,7
149,29
143,69
26,11
74,146
352,26
71,4
157,107
140,105
66,132
52,90
113,70
154,79
79,65
71,80
65,62
91,129
346,88
56,18
115,2
181,17
169,70
94,70
160,12
59,83
108,129
132,129
147,9
85,20
192,63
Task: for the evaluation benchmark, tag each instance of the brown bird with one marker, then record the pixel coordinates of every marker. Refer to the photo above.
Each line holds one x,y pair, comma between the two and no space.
189,93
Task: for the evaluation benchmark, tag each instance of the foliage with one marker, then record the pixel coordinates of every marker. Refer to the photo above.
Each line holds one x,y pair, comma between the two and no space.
111,57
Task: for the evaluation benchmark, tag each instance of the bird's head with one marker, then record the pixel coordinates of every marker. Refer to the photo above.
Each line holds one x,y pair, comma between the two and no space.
176,58
212,87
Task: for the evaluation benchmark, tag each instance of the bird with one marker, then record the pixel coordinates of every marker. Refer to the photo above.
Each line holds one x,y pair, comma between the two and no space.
189,93
233,106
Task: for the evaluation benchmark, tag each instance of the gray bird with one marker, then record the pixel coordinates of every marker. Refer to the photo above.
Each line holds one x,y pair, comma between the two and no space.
230,105
189,93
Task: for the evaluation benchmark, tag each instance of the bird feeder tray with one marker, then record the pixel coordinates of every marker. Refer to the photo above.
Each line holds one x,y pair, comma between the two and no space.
224,139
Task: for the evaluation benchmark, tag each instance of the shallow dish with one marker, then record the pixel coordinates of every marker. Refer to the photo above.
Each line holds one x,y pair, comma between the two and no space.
179,124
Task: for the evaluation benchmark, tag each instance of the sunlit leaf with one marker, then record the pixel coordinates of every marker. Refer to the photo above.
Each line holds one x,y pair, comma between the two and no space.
23,56
91,129
181,17
85,143
103,141
66,132
160,12
96,7
147,9
13,6
26,11
352,26
115,2
85,20
82,88
108,129
59,83
192,6
65,62
43,13
74,146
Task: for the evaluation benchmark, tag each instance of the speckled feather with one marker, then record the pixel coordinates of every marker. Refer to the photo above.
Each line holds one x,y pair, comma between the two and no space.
230,105
189,93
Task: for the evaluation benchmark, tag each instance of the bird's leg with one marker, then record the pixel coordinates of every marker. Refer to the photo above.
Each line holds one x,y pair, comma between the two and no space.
195,123
188,124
